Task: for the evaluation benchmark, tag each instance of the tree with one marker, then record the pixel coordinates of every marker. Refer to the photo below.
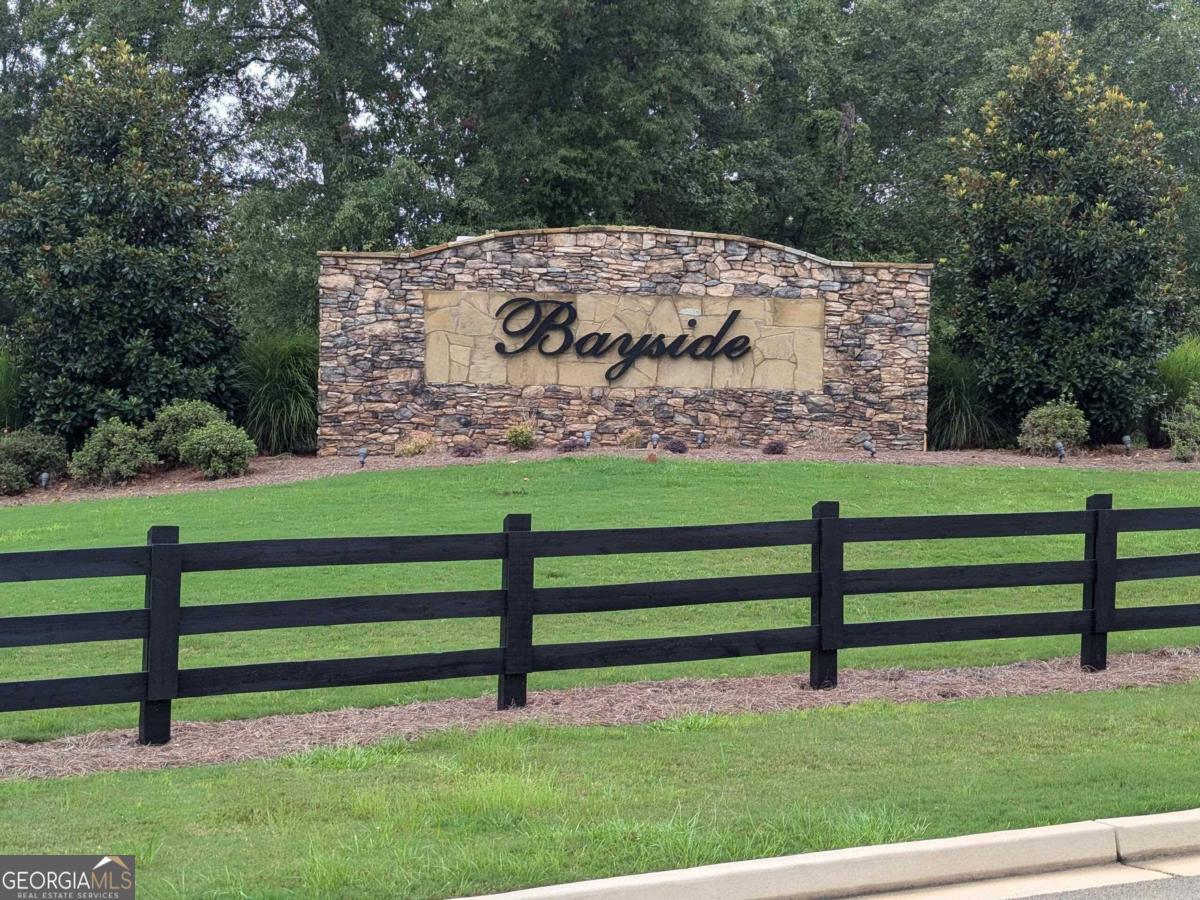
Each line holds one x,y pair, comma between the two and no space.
110,251
1068,276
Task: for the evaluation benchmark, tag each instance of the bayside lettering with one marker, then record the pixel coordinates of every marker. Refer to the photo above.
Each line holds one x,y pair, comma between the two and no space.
545,325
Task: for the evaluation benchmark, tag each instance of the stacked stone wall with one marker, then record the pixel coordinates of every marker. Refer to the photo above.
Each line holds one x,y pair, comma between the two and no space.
374,392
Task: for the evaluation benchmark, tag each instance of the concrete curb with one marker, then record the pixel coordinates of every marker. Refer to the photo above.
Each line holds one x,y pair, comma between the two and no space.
892,867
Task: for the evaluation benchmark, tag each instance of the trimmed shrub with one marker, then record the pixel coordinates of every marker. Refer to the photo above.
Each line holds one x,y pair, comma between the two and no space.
520,437
960,413
633,439
113,453
218,449
572,445
173,422
275,379
33,452
1183,428
414,446
675,445
775,448
13,479
1059,420
466,451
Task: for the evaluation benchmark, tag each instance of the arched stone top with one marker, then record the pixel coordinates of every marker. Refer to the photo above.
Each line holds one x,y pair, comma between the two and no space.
619,229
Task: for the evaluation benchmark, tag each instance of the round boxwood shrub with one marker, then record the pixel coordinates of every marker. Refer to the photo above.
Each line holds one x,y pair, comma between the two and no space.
676,445
466,451
775,448
13,479
33,452
173,422
1059,420
113,453
219,449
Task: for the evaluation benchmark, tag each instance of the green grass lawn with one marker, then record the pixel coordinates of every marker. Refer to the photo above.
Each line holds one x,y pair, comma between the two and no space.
567,493
514,807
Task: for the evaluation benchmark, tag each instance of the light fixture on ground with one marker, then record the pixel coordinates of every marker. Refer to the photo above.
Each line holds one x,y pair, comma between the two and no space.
700,439
587,439
654,439
1128,442
869,446
44,480
1060,450
362,456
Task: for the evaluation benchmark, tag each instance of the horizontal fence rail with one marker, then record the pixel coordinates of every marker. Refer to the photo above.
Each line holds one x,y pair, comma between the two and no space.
163,619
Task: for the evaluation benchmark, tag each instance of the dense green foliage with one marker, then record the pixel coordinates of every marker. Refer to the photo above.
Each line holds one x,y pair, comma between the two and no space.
218,449
275,383
112,453
368,123
173,422
1069,273
960,411
1051,423
108,252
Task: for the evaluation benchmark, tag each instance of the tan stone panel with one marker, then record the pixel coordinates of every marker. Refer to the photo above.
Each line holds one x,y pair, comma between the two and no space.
437,356
462,332
803,313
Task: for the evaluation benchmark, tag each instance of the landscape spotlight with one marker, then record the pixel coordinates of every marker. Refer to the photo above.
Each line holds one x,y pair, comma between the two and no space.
362,456
587,439
869,446
1060,450
654,439
700,439
1128,442
44,480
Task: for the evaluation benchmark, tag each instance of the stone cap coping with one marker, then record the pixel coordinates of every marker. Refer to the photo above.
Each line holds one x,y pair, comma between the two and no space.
620,229
857,871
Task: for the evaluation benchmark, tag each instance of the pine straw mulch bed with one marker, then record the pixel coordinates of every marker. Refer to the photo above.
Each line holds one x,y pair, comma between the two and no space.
201,743
266,470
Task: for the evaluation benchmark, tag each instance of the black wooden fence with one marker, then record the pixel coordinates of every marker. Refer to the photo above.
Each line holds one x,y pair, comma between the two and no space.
164,560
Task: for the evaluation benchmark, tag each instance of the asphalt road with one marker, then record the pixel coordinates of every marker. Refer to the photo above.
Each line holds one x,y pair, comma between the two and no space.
1159,889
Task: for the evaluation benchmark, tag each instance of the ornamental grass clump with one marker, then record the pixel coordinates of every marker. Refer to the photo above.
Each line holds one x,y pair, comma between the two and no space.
219,450
113,453
520,437
1044,426
275,380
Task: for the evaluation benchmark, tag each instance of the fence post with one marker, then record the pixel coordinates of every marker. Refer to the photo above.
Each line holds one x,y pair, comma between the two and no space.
160,647
516,623
1100,596
827,612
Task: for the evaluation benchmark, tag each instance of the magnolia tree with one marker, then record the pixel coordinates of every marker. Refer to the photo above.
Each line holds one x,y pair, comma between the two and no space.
110,258
1068,275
